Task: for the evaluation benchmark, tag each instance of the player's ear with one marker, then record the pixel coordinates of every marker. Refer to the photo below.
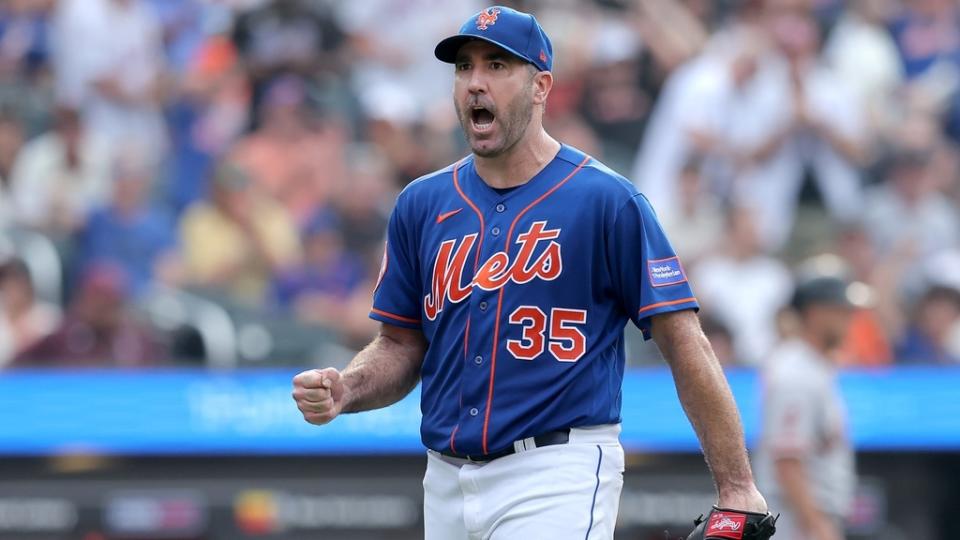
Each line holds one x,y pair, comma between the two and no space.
542,84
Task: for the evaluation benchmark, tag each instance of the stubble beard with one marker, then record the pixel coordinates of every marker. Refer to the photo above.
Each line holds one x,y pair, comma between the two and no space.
513,119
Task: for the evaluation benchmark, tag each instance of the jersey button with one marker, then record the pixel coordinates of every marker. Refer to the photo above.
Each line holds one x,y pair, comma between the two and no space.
478,360
474,411
483,306
496,231
501,207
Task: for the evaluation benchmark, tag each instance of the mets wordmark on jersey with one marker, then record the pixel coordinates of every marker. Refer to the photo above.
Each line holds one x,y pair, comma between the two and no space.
522,295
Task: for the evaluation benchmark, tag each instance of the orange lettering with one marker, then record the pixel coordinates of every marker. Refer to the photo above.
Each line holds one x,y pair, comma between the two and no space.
528,241
447,275
549,264
494,273
446,283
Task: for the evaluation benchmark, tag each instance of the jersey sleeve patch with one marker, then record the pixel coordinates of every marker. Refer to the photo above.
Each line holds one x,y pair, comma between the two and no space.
665,272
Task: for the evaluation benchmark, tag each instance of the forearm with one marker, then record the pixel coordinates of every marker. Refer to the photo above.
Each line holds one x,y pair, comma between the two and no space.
676,34
384,372
791,476
768,148
848,148
708,403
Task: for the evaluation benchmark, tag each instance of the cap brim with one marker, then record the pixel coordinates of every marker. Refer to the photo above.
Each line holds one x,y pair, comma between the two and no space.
446,50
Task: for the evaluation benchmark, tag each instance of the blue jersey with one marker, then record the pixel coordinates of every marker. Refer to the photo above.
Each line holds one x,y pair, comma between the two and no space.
523,295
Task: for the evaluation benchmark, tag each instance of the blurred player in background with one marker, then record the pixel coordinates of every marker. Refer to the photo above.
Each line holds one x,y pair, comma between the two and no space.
805,463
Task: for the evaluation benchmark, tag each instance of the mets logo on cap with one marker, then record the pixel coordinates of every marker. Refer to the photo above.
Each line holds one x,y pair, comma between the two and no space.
487,17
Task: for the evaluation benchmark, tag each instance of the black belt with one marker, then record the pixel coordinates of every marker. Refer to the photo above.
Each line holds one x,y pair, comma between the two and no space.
547,439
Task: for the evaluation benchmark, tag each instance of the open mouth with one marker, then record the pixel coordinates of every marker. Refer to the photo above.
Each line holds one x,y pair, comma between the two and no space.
482,118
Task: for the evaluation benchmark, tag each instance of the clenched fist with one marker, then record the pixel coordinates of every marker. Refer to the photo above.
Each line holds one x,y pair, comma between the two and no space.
319,395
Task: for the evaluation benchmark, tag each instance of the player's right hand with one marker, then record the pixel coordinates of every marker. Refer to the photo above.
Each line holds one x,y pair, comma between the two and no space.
319,394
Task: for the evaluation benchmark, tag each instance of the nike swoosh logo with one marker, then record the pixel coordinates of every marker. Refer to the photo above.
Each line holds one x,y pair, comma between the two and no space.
442,217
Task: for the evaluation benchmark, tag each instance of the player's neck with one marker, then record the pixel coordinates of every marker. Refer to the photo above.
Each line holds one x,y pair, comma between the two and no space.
521,163
817,343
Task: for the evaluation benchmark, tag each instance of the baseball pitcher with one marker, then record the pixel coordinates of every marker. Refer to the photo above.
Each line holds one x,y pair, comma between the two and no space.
506,283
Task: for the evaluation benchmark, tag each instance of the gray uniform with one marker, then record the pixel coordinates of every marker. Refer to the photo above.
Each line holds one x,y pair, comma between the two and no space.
804,416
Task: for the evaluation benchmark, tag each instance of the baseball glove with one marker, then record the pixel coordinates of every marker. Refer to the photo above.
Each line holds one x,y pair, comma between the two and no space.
725,524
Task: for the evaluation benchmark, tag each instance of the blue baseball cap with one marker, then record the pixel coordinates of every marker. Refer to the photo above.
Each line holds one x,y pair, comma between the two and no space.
516,32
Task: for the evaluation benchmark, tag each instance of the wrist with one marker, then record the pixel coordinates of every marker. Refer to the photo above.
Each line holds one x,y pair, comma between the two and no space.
743,497
347,399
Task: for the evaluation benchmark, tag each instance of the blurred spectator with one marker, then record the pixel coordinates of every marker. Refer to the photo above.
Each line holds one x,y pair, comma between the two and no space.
98,330
363,203
928,37
236,242
209,113
391,126
696,227
11,140
185,25
907,214
323,289
863,54
293,158
721,339
730,103
387,58
633,48
60,176
574,130
820,136
927,33
130,233
927,338
6,206
108,57
721,95
867,342
743,288
24,45
766,119
24,59
617,95
287,36
674,32
23,318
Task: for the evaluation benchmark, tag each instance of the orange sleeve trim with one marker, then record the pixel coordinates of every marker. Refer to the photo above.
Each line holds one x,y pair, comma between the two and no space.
667,303
392,316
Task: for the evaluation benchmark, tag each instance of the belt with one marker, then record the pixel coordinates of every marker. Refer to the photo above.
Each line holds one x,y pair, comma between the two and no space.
523,445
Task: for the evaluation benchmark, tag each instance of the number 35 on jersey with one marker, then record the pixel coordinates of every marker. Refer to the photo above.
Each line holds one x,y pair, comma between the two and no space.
555,332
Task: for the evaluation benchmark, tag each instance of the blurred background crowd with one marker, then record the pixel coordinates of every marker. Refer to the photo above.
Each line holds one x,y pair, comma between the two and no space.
208,181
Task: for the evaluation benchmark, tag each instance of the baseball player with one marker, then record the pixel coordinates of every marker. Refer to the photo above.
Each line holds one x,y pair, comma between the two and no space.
506,283
805,462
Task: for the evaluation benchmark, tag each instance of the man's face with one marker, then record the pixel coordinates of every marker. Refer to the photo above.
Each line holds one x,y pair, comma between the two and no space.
493,92
831,322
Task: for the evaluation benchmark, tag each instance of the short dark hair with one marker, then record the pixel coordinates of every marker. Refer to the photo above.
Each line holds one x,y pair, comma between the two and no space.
941,292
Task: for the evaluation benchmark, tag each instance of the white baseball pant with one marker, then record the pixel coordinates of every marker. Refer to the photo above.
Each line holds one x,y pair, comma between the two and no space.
558,492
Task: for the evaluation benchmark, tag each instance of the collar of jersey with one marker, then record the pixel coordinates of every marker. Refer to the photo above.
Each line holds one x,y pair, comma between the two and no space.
556,170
